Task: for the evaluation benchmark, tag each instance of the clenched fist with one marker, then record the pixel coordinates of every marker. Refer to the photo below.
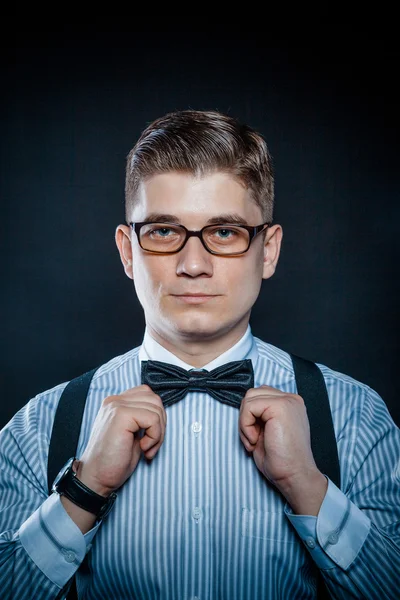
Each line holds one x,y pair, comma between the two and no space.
273,425
115,445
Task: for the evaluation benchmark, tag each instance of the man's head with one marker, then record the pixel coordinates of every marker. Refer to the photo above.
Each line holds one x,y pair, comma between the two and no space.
194,168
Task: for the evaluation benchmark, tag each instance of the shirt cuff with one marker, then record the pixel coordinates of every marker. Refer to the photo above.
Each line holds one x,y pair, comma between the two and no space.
306,527
336,536
54,542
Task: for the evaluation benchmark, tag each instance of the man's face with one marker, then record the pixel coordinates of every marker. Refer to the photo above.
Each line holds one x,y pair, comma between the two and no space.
162,282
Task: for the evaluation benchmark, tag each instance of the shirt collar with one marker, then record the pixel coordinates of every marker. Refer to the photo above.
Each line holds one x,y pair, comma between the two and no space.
243,349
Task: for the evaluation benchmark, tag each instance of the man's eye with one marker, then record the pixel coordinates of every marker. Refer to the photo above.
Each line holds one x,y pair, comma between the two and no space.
225,233
161,231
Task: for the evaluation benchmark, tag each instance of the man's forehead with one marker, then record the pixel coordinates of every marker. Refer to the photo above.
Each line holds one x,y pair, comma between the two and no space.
176,185
206,198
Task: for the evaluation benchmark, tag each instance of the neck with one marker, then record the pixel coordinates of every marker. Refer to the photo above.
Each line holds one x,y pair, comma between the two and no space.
198,351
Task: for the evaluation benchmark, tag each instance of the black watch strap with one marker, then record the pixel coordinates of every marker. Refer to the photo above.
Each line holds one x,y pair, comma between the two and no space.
76,491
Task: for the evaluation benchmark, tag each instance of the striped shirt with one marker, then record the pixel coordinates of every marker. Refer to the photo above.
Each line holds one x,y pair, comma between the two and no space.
200,521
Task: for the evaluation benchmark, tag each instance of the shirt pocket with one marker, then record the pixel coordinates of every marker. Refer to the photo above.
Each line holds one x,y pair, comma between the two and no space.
266,525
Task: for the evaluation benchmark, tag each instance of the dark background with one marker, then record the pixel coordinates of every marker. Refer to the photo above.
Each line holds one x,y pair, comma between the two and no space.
74,104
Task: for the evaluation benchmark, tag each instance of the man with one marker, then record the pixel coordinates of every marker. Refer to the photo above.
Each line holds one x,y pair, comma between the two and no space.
211,502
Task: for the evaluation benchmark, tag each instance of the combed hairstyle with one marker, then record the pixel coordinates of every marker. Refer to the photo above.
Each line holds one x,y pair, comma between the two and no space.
199,143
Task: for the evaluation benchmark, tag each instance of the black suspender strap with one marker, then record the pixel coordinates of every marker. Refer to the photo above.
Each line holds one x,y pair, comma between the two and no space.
67,424
311,387
65,434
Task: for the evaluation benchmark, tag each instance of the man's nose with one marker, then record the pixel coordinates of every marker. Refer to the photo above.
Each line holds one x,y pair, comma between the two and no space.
194,259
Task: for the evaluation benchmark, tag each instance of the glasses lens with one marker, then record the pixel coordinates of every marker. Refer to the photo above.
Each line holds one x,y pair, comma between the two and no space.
226,239
161,237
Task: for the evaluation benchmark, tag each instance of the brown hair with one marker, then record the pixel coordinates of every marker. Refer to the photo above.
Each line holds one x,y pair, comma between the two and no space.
201,142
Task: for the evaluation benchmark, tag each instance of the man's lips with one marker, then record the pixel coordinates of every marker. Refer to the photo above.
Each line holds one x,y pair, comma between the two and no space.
194,297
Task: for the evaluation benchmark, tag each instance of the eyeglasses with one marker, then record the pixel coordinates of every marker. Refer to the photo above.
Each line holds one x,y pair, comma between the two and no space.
221,239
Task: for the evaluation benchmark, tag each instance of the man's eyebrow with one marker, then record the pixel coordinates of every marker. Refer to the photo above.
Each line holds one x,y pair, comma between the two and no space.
161,218
231,218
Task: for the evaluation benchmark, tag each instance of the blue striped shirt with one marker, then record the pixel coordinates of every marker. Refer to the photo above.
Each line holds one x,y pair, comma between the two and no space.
200,521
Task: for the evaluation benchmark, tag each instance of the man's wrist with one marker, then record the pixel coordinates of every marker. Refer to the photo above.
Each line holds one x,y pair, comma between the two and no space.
89,482
67,484
81,517
305,492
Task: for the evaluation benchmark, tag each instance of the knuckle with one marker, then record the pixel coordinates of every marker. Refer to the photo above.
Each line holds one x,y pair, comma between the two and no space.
298,398
110,400
250,392
144,387
160,402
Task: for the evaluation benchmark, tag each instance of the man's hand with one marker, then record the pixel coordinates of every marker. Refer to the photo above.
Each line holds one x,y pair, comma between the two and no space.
114,448
273,425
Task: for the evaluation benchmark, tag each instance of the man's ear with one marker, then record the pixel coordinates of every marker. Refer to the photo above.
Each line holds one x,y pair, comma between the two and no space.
272,248
123,241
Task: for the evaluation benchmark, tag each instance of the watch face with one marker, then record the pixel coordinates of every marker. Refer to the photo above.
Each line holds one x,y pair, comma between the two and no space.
62,473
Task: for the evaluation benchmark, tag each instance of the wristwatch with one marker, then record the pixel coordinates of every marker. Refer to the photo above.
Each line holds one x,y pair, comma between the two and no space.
67,484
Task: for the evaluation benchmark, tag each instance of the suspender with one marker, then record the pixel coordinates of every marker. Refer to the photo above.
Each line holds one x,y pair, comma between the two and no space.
310,386
67,424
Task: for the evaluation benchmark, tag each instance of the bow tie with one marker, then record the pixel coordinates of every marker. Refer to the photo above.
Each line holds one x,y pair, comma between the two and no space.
227,383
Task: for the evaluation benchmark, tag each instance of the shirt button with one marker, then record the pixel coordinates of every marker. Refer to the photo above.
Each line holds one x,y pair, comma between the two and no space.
310,542
69,556
196,513
196,427
333,538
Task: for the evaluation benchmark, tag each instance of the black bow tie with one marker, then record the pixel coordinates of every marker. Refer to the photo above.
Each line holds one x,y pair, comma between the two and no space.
227,383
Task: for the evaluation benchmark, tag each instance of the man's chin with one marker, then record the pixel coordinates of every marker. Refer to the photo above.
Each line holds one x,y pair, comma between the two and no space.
197,329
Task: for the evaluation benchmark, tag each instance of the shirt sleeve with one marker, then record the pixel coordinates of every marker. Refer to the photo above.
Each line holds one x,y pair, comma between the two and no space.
54,542
40,546
355,539
337,535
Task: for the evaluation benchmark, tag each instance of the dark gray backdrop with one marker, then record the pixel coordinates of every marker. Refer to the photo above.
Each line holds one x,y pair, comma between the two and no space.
73,105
